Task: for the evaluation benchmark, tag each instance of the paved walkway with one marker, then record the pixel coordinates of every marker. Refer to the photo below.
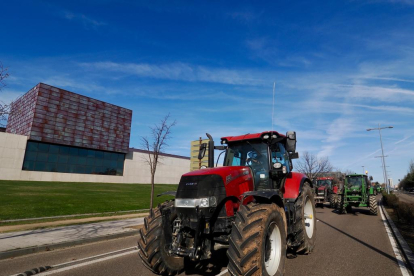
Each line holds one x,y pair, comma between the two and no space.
50,236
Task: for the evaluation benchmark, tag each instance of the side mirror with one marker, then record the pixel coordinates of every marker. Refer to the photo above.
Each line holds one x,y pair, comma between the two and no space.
291,141
371,178
202,151
294,155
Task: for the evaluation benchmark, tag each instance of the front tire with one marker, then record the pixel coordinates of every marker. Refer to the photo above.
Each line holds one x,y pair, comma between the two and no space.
373,206
258,241
151,243
305,225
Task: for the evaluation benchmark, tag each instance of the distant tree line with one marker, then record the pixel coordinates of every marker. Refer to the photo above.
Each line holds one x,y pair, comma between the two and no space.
408,181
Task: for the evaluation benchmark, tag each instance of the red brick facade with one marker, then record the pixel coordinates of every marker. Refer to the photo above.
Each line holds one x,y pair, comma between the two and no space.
54,115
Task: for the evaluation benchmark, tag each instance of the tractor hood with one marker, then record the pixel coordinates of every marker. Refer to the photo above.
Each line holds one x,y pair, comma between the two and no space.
206,182
321,188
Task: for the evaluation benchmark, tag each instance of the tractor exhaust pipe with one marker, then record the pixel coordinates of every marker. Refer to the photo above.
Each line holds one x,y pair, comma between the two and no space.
210,151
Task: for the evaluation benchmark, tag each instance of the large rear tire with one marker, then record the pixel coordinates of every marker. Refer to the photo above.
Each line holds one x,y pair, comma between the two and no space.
341,205
151,243
258,241
373,206
305,225
332,201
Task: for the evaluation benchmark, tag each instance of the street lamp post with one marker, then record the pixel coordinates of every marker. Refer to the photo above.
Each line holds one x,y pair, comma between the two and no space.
383,157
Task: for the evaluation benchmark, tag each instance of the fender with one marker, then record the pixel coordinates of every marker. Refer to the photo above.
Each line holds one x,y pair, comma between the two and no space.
267,196
294,184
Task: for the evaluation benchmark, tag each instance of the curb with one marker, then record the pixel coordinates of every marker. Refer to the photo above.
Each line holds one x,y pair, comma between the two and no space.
49,247
408,254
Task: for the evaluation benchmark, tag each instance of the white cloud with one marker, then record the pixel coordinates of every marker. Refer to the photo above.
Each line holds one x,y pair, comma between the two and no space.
85,20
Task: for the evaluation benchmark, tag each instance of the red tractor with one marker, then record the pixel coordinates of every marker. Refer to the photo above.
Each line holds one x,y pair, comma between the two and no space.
254,205
326,191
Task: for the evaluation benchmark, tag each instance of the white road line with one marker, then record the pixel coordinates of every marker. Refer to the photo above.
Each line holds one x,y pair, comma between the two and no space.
86,263
394,246
223,272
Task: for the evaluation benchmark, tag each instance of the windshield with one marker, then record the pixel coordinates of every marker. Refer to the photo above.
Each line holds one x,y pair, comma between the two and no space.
325,183
354,181
247,154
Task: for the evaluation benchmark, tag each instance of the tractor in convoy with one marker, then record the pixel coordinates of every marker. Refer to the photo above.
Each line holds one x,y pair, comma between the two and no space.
254,206
357,192
326,191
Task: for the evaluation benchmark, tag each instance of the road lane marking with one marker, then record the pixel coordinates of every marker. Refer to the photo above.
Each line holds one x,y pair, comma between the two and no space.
84,260
87,263
394,246
223,272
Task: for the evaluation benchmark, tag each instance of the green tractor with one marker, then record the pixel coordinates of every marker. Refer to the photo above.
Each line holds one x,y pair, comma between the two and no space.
358,192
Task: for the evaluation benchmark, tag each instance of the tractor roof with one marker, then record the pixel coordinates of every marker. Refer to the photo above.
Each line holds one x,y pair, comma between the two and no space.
249,136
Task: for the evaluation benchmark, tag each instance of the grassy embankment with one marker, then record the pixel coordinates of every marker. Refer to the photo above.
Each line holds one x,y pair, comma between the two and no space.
402,214
32,199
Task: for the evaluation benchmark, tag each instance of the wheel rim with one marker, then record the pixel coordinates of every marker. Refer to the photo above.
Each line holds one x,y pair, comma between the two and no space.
273,249
309,218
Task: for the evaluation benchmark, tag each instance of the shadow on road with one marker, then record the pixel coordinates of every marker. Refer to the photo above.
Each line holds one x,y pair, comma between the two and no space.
361,242
209,267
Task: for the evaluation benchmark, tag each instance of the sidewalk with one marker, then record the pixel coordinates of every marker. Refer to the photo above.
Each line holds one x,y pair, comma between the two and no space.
24,242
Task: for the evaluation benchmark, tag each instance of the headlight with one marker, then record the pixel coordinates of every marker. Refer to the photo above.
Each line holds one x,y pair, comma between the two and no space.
193,202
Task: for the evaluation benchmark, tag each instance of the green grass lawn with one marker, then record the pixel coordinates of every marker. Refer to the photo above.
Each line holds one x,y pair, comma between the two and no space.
32,199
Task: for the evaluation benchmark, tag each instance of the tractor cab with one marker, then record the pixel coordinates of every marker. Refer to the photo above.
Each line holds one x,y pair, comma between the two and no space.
268,155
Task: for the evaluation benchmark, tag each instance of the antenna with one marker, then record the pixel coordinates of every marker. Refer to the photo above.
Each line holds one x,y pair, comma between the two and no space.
273,106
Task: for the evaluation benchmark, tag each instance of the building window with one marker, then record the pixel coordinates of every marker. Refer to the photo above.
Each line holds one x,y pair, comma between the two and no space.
66,159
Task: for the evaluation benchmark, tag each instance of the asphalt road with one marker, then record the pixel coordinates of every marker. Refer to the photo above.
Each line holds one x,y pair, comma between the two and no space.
406,197
351,244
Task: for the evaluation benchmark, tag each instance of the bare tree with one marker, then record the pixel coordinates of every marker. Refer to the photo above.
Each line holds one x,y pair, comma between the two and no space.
313,166
158,141
4,108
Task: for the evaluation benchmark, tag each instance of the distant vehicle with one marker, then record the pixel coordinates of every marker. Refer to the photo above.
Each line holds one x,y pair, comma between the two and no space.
411,191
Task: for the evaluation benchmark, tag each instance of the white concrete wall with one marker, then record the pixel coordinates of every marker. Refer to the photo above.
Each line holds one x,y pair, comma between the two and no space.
12,149
136,170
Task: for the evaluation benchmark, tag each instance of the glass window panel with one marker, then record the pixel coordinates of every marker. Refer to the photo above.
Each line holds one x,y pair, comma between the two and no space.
119,171
31,156
106,163
39,166
43,147
88,169
81,160
53,149
98,162
100,170
91,153
99,154
62,168
73,151
41,156
90,161
107,155
113,164
72,169
114,156
63,159
120,164
73,160
28,165
51,167
63,150
83,152
80,169
31,146
52,158
121,157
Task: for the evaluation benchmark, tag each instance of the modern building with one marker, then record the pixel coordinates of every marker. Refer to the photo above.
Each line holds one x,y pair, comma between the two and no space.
57,135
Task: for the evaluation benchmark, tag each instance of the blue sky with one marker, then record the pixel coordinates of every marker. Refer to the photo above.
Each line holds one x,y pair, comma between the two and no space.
340,67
